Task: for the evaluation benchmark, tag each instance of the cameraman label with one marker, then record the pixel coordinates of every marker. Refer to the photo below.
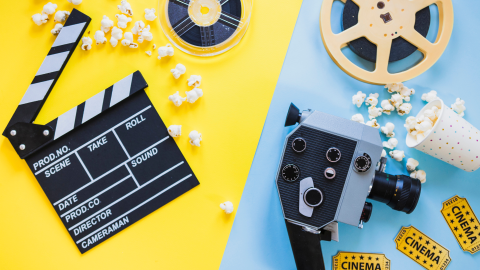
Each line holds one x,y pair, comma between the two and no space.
462,221
422,249
356,260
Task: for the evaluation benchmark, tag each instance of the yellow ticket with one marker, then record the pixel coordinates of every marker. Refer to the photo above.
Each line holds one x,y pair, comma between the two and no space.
365,261
422,249
462,221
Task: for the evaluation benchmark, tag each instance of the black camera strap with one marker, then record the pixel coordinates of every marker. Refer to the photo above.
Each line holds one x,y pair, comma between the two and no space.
306,248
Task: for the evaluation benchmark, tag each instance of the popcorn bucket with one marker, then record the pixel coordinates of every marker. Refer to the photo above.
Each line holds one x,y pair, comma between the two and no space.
452,139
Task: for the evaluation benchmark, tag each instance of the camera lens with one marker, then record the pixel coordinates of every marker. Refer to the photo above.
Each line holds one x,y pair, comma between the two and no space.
313,197
400,192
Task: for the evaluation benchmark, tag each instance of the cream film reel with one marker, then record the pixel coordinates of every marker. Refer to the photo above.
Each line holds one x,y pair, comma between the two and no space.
205,27
381,22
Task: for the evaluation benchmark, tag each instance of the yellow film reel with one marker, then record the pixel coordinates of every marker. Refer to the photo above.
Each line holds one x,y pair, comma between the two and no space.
381,21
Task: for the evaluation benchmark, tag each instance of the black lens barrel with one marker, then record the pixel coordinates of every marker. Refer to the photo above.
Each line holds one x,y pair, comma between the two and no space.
400,192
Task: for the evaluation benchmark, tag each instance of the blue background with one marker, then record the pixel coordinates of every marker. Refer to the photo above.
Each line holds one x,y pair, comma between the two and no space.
310,79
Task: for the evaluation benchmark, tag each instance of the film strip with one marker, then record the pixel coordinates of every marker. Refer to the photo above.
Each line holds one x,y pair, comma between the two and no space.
105,163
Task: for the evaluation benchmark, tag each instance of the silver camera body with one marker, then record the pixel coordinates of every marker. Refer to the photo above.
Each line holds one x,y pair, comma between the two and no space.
326,170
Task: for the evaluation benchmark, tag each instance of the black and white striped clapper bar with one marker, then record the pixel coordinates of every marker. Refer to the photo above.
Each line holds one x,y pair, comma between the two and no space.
104,164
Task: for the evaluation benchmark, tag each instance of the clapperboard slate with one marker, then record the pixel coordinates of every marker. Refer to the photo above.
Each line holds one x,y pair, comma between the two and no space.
107,162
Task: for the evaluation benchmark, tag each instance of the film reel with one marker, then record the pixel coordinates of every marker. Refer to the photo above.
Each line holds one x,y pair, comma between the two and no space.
205,27
395,29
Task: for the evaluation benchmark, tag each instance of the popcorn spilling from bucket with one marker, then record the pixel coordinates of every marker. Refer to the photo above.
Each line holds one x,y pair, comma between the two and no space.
419,127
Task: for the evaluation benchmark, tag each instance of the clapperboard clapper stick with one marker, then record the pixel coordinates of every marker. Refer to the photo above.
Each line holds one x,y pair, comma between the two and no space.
104,164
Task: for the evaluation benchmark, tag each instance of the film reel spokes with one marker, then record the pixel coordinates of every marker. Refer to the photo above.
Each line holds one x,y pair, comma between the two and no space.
381,22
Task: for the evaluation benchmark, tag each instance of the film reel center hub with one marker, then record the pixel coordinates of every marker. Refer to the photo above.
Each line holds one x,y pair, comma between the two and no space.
204,12
385,31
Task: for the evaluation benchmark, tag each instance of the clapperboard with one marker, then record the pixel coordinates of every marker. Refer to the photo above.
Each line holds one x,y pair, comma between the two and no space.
104,164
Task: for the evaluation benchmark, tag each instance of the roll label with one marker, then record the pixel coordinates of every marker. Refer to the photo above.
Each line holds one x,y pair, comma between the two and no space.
355,260
422,249
463,223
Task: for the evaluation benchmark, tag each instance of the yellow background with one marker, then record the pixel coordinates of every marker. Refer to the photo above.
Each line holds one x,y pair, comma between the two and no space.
189,233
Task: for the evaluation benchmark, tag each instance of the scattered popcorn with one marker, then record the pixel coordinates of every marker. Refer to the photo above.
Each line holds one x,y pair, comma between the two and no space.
194,94
387,107
372,100
394,87
177,99
61,16
100,37
358,118
49,8
56,30
358,99
391,143
137,28
86,43
420,175
374,112
430,96
373,123
75,2
419,127
166,50
106,24
149,53
128,40
178,70
459,107
125,8
405,108
194,80
227,207
40,19
123,20
175,130
117,34
412,164
150,14
388,129
406,93
154,46
195,138
398,155
384,153
145,34
396,100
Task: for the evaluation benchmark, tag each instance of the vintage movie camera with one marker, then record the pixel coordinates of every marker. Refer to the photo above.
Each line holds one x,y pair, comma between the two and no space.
329,167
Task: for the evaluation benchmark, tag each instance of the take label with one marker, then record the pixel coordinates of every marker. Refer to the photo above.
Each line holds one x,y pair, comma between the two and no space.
355,260
422,249
463,223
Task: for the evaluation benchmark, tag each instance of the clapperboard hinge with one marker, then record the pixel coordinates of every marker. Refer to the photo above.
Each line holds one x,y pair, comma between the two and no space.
27,137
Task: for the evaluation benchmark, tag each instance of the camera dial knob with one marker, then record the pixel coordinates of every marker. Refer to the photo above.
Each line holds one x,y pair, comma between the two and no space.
299,145
366,212
362,163
333,154
290,172
313,197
